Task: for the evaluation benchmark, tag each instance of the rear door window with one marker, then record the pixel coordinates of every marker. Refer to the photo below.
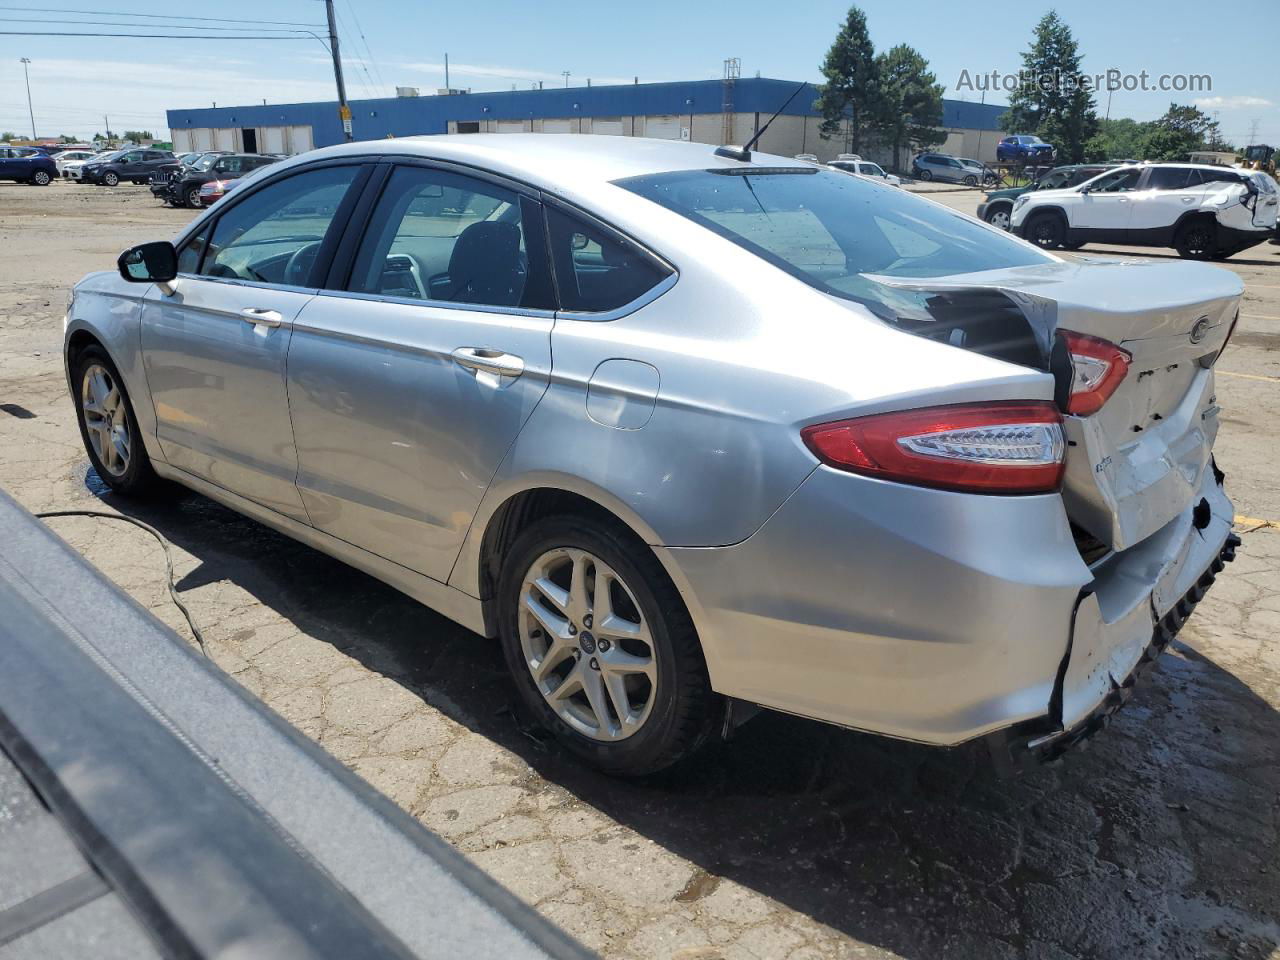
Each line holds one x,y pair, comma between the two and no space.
596,269
1172,178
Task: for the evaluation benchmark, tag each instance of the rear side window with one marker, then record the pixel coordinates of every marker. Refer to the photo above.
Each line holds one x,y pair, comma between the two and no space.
436,235
1173,178
596,269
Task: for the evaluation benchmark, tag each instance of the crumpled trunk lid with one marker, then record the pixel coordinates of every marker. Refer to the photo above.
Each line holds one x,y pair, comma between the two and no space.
1138,461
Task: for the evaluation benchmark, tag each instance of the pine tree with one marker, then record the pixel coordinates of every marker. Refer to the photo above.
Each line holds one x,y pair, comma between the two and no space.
851,93
910,107
1052,101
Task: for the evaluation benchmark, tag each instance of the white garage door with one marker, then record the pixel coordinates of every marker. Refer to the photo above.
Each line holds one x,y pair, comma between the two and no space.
662,128
557,126
609,126
181,140
300,139
272,140
202,139
511,126
224,138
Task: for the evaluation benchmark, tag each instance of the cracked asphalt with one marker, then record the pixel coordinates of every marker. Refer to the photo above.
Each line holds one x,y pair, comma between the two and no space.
795,840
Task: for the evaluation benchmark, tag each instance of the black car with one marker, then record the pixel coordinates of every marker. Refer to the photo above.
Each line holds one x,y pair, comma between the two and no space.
185,189
135,164
167,176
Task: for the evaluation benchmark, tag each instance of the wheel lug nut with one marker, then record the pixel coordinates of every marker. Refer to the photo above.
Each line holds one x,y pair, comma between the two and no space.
573,630
603,645
595,664
587,621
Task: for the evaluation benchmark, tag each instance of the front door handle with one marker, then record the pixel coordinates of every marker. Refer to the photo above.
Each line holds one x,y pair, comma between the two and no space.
1189,199
489,360
258,315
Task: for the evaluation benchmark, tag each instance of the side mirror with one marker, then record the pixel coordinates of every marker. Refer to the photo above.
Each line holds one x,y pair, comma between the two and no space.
150,263
1086,189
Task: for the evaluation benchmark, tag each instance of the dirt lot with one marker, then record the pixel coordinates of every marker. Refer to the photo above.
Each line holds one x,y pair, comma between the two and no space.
794,841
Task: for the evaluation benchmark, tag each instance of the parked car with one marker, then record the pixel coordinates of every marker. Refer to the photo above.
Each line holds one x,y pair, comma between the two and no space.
215,190
567,394
135,164
1202,211
74,169
983,172
27,165
166,178
185,187
67,156
866,168
940,166
1021,148
998,206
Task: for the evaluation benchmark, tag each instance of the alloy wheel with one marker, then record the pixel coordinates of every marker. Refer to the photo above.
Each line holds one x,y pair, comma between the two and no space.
587,645
106,419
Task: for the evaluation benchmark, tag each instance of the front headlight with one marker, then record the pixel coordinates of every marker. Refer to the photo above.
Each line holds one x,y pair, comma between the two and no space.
1021,201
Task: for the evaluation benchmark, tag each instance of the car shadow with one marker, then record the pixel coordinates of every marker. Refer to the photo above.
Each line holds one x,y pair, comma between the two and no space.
1148,252
1159,840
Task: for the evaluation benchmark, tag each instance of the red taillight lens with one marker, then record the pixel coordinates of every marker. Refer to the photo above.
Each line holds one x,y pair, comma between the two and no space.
1097,367
1002,447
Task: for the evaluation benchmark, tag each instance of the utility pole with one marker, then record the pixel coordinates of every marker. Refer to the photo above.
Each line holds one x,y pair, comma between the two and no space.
24,61
446,71
565,74
344,109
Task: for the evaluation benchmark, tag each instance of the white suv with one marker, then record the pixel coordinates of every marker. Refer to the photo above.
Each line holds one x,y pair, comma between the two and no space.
864,168
1204,212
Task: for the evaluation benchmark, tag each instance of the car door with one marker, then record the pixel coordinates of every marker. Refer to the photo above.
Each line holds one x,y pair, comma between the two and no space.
1107,205
1163,196
214,347
410,379
7,165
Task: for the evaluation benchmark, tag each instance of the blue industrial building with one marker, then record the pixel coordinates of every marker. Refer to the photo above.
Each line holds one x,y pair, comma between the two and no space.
708,111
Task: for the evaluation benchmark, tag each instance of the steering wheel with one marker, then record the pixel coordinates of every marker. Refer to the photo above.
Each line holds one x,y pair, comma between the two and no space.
298,270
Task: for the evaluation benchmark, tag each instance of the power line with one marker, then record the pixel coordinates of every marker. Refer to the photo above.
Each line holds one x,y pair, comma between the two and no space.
173,16
365,40
157,36
125,23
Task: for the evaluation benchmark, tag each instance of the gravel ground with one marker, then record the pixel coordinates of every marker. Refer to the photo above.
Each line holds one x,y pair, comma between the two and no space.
795,840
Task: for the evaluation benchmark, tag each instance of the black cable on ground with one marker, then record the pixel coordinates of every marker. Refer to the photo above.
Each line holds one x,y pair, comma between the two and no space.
168,558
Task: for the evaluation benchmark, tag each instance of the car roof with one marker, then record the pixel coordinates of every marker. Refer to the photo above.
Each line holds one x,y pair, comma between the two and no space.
557,161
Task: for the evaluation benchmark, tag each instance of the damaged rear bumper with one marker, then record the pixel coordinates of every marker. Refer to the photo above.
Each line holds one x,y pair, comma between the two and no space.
1110,652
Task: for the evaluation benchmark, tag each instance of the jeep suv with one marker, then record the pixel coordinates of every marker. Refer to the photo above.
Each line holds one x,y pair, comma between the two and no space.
185,188
1203,212
1023,149
999,203
166,177
135,164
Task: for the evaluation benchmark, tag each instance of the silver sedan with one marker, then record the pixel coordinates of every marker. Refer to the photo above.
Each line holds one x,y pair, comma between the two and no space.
687,432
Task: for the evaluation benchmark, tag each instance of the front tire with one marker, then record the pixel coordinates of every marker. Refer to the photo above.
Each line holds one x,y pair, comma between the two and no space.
41,178
1047,231
108,426
1196,240
111,178
601,647
192,199
999,216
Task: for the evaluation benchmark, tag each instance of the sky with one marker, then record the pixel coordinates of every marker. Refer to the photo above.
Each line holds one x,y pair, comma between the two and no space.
494,44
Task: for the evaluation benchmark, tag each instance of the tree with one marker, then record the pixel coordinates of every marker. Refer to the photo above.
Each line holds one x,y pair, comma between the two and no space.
137,136
852,89
1117,139
8,135
1180,131
1053,101
910,106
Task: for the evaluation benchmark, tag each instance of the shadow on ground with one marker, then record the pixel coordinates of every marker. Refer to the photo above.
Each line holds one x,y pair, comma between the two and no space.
1160,840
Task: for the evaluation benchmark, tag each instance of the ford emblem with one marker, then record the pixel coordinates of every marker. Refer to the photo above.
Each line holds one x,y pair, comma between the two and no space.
1200,329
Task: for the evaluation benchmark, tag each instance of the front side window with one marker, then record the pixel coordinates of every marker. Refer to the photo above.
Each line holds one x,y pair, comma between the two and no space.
1080,176
835,233
192,251
598,270
274,235
872,170
435,235
1053,180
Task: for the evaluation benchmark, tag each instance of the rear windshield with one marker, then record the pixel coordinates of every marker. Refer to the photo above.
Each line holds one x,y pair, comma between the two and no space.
833,231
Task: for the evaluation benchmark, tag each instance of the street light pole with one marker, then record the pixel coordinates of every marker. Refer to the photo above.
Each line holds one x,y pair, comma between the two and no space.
24,61
344,109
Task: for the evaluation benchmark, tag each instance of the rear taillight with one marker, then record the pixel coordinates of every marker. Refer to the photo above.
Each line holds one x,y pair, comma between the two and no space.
1097,367
1001,447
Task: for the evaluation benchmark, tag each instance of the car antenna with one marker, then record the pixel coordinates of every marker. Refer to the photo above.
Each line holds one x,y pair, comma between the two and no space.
743,153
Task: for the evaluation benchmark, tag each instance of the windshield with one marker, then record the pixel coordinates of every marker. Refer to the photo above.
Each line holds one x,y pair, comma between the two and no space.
832,231
206,162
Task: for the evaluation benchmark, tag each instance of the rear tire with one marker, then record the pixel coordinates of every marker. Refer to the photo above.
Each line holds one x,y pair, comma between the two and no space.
41,178
641,657
1196,240
971,181
1048,231
108,426
926,175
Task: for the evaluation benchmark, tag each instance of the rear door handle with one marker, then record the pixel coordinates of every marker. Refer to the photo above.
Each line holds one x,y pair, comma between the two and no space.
1189,199
489,360
259,315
